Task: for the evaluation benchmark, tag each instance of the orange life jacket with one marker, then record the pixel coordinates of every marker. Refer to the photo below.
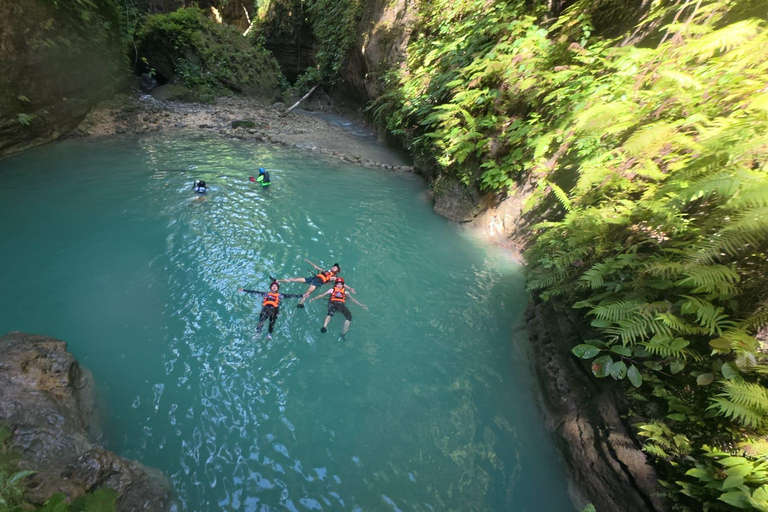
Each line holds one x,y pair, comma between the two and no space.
339,295
326,275
271,299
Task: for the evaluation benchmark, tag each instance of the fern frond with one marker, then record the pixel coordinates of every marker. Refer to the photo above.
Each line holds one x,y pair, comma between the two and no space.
755,448
708,315
738,413
648,141
743,402
723,40
616,311
710,279
749,229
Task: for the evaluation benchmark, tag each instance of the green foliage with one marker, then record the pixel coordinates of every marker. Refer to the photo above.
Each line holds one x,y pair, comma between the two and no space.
651,163
333,25
101,500
11,479
307,80
209,58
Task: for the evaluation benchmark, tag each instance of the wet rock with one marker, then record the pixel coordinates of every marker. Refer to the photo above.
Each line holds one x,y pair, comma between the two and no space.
46,398
148,82
279,106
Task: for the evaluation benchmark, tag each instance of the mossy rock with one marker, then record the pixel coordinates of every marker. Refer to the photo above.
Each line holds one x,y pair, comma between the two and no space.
243,123
173,92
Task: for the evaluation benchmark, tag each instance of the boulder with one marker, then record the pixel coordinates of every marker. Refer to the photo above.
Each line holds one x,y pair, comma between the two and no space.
455,201
47,399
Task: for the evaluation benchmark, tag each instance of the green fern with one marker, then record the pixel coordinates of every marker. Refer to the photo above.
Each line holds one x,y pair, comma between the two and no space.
744,402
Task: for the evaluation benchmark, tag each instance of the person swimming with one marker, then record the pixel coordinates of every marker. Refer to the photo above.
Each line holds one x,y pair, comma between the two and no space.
263,178
200,187
314,281
270,305
337,302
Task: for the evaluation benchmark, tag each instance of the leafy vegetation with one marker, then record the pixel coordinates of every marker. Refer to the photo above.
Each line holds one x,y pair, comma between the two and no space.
209,58
648,153
333,26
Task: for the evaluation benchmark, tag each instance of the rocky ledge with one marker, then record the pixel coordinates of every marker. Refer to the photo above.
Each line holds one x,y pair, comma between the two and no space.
46,398
600,452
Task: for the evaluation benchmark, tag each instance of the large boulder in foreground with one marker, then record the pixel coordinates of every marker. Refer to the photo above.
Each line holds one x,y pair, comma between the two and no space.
46,398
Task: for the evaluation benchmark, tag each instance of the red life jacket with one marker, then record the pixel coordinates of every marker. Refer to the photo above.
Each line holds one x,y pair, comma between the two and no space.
326,275
271,299
339,295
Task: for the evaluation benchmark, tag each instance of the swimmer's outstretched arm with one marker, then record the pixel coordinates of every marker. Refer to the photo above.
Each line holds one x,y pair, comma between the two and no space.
251,291
292,295
321,295
358,303
318,268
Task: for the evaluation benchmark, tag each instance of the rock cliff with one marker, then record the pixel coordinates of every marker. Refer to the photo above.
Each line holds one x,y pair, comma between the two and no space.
52,70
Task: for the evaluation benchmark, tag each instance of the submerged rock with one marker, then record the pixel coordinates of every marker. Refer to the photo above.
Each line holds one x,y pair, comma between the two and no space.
47,399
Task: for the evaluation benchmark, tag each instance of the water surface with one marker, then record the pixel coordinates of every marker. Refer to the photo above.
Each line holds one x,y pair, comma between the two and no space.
426,406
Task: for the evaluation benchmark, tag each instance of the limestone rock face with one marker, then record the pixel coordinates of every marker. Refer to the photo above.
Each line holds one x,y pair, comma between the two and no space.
385,29
46,398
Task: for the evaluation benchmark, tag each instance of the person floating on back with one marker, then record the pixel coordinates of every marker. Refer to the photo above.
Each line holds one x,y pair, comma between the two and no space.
337,302
270,305
263,178
200,187
315,281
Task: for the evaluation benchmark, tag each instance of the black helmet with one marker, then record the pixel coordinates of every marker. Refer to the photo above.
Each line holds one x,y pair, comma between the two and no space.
337,266
201,183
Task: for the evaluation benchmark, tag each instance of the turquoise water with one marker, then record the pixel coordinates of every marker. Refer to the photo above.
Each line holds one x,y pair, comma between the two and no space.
426,406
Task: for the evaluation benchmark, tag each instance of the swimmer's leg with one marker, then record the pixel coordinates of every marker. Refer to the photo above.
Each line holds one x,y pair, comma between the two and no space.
309,291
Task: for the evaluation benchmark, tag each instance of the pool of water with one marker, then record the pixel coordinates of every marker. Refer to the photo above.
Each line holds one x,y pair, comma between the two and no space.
427,405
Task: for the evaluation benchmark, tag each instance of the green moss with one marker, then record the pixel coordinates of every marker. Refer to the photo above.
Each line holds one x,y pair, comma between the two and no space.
210,59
